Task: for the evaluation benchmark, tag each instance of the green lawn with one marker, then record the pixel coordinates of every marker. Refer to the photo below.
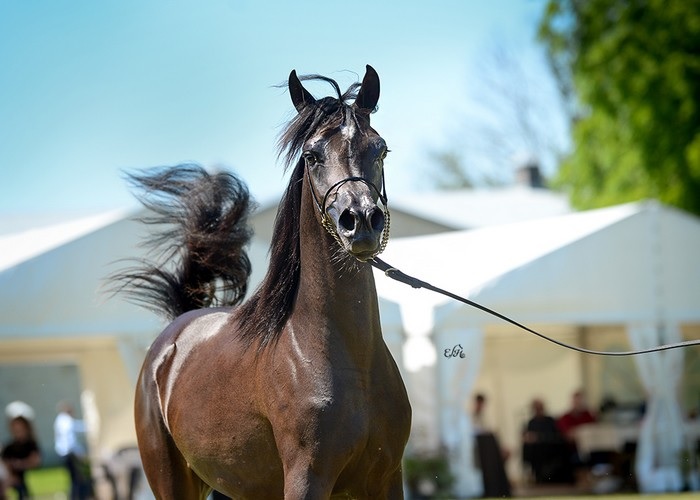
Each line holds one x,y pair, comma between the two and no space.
629,496
45,483
53,484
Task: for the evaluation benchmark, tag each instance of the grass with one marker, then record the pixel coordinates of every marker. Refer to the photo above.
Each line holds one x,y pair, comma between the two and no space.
52,483
46,483
628,496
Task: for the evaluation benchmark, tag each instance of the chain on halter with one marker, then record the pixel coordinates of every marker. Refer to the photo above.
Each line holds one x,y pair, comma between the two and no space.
326,221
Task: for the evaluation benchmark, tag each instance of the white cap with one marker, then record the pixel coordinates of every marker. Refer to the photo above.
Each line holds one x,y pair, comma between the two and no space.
19,409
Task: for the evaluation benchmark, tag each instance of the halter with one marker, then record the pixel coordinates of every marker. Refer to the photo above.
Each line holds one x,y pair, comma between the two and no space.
327,223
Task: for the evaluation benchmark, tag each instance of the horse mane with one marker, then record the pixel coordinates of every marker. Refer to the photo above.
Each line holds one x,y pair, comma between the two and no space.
264,315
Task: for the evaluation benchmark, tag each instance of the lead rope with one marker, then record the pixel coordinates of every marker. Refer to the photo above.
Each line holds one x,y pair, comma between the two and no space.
402,277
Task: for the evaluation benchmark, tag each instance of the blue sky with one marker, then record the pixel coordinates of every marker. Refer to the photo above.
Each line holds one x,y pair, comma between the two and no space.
89,89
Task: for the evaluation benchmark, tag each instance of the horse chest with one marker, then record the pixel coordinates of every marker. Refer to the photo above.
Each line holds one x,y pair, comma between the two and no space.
378,450
342,419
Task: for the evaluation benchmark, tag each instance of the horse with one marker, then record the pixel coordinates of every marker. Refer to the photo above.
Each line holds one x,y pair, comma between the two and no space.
291,393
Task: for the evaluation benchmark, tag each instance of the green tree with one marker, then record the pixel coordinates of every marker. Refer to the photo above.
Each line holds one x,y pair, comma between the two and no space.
630,73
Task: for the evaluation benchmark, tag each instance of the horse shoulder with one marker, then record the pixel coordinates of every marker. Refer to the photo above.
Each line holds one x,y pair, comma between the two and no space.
181,346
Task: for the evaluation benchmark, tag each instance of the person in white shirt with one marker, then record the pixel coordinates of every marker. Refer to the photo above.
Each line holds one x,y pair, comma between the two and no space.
69,446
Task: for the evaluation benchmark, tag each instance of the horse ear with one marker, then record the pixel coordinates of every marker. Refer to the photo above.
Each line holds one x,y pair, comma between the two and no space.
300,96
368,96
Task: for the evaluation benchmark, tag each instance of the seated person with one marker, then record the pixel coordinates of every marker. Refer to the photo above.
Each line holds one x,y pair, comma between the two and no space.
544,448
578,415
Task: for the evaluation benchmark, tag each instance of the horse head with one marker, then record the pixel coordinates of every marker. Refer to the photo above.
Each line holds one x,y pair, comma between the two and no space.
344,157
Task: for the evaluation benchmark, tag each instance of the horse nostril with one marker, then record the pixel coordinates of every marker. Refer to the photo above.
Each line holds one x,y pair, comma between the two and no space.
347,221
376,219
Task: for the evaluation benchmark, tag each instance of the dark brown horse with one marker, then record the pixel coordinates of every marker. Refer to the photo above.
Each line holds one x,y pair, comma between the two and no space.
292,394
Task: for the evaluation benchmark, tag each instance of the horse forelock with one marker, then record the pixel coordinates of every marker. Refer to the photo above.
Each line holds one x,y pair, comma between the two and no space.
323,114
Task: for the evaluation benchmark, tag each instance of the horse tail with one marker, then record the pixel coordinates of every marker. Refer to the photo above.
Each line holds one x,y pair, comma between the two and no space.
197,253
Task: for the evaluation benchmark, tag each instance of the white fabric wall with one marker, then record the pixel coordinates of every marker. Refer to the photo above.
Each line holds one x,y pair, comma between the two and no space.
661,438
456,377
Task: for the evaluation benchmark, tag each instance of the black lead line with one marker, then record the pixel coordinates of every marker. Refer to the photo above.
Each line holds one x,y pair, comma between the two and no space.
402,277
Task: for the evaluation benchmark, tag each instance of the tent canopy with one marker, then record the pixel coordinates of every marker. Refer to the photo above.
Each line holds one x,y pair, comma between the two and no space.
629,263
51,280
634,262
475,208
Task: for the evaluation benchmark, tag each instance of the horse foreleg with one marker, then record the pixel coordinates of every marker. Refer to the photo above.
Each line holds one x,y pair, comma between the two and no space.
395,489
169,474
304,484
167,471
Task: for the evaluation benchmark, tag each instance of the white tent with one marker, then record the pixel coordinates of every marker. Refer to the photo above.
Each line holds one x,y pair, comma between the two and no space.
636,265
50,279
475,208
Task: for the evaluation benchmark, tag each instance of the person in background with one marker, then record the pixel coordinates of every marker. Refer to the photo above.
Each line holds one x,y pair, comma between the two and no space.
541,428
578,414
489,455
4,476
68,444
21,454
478,413
544,448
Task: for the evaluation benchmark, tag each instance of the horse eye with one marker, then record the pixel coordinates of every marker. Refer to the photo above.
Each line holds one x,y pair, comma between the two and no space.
310,157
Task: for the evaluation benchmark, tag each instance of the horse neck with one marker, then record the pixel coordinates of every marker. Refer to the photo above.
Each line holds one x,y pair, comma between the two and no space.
340,294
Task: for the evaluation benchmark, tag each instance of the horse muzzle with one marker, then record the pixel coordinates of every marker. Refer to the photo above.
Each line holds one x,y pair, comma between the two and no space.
361,230
356,222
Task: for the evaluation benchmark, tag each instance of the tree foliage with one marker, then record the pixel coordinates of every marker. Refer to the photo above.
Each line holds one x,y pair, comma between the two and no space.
630,73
